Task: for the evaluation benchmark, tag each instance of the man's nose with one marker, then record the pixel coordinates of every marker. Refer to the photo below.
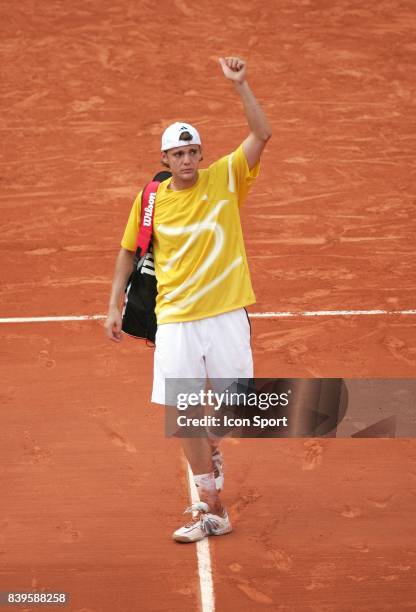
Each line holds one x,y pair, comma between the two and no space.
187,159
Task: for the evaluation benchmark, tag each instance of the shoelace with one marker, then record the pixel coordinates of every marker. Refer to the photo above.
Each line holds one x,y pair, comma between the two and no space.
208,524
198,507
201,508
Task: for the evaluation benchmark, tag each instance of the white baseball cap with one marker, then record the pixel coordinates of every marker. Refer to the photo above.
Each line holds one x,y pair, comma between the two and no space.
171,137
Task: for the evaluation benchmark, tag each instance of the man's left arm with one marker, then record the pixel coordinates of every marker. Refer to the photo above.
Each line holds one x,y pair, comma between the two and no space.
235,70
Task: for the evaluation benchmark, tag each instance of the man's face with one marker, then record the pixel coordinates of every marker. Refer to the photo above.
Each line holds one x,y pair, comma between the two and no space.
183,161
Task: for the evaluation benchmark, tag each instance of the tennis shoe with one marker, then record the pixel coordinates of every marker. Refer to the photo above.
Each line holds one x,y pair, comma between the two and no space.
203,524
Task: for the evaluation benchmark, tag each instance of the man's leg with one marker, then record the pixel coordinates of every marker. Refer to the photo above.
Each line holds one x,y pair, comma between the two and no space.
217,460
198,451
179,354
228,357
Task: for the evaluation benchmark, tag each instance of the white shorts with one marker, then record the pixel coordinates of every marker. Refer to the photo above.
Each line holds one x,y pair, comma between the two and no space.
214,347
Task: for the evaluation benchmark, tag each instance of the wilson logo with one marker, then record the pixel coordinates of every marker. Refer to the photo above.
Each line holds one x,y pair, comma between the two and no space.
147,217
147,264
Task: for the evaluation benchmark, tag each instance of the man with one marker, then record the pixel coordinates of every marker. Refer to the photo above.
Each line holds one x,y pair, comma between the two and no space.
203,280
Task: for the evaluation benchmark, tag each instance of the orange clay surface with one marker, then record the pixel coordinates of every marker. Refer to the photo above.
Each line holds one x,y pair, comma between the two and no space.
90,487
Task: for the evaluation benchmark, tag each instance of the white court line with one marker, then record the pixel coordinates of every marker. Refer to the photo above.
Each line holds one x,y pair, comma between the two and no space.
252,315
51,319
328,313
204,558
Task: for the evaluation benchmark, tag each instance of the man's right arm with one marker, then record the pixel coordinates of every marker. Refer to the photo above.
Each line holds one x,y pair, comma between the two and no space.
234,69
123,269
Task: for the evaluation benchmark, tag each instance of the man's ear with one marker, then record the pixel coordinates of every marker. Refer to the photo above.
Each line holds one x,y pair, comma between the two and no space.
164,159
200,153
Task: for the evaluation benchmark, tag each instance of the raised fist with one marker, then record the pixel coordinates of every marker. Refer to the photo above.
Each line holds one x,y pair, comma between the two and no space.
234,68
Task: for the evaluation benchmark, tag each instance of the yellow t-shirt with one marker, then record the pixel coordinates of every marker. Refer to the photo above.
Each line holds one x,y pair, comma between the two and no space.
200,260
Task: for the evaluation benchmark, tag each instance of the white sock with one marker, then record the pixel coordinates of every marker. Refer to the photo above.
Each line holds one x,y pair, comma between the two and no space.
205,482
207,490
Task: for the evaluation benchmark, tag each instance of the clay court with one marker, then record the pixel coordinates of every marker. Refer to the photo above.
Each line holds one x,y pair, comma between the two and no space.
91,488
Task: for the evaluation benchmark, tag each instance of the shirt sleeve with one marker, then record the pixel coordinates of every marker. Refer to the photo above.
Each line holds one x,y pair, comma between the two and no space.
133,225
233,169
240,177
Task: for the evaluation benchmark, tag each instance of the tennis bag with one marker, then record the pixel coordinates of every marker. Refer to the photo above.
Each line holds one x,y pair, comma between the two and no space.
138,316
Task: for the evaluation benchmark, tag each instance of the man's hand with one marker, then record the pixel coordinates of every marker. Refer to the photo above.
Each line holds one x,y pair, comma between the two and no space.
234,68
112,324
124,267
